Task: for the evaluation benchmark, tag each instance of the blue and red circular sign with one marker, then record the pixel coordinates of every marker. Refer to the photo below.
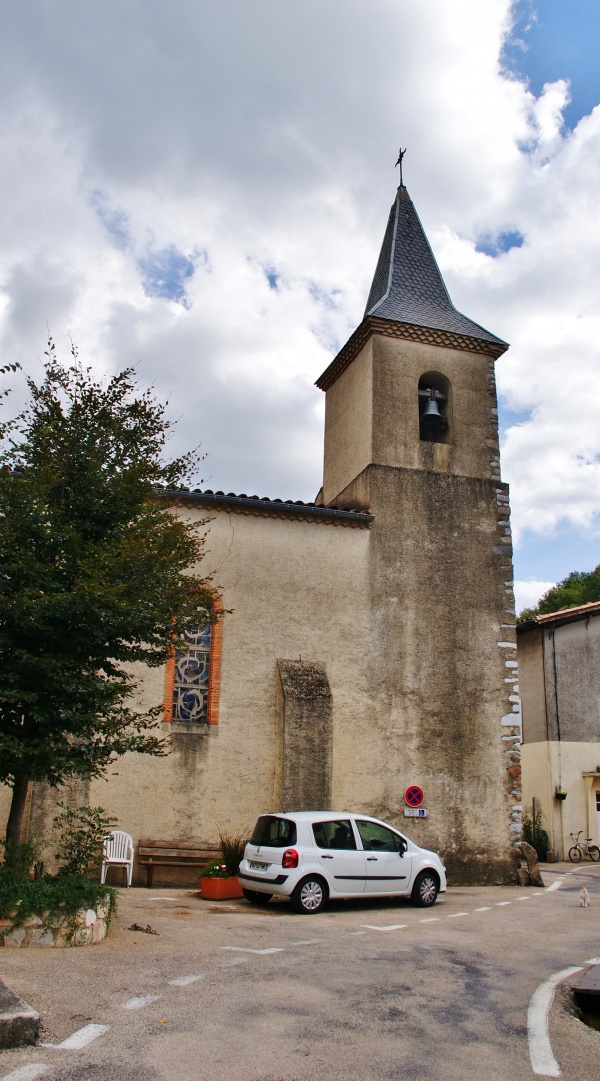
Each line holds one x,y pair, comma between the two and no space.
414,796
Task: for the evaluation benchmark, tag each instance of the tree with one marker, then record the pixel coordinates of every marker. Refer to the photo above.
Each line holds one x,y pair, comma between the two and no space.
579,587
94,576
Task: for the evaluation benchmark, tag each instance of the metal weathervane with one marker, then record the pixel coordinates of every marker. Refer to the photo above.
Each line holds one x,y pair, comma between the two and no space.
399,162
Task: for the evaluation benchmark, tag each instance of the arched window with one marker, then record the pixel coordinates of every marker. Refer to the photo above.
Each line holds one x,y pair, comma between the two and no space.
434,408
193,675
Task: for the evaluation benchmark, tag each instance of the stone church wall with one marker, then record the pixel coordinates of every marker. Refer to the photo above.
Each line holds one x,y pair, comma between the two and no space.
295,590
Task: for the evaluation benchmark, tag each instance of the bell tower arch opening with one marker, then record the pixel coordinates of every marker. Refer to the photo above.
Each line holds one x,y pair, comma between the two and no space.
435,408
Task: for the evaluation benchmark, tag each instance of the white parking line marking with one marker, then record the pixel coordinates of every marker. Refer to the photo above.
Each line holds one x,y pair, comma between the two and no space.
183,981
431,919
307,942
484,908
391,927
540,1052
139,1001
162,898
83,1037
499,904
522,898
454,915
245,949
592,961
556,884
27,1072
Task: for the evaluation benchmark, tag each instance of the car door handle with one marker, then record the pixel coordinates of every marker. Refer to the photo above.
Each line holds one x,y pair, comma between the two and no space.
326,857
370,858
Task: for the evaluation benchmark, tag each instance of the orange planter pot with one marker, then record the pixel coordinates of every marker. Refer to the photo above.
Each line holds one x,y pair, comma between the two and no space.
220,889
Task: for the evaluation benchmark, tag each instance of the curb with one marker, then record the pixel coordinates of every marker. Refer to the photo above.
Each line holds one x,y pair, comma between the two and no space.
19,1024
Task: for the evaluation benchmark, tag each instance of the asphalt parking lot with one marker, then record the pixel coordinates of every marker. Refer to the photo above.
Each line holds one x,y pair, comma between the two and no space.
365,990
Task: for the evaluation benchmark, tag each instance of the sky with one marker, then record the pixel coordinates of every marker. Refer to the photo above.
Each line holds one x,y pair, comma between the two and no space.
201,190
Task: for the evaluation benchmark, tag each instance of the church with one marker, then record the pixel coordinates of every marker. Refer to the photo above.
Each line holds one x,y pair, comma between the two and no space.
365,643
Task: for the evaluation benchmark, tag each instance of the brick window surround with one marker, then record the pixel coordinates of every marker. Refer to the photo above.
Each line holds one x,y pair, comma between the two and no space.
214,675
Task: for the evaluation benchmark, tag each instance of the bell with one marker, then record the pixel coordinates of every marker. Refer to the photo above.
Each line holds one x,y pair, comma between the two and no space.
432,421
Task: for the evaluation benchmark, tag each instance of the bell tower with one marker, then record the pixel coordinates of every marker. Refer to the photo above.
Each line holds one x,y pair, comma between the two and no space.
411,435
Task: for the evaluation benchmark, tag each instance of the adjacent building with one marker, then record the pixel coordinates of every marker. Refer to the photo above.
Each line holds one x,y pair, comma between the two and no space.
559,668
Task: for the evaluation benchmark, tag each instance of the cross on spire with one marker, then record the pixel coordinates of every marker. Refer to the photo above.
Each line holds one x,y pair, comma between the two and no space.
399,162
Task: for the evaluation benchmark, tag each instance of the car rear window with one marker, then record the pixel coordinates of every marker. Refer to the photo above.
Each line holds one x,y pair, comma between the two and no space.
274,832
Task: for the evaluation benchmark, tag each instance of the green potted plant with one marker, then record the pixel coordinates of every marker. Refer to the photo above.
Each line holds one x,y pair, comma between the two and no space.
536,836
218,881
559,792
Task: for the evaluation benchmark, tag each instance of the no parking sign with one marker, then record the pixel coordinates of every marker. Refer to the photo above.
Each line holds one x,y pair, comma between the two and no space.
414,796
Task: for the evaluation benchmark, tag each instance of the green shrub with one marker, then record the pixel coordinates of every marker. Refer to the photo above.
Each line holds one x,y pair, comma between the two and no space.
534,833
83,832
49,898
26,891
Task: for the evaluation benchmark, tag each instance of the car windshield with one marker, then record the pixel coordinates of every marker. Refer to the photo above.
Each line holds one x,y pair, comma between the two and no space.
274,832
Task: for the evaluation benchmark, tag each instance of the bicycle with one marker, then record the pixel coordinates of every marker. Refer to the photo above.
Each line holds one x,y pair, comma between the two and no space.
583,848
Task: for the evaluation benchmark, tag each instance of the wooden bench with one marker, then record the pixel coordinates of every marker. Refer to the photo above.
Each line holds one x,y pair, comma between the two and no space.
153,854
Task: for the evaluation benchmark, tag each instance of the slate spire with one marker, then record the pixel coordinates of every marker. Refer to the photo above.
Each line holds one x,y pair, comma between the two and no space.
408,286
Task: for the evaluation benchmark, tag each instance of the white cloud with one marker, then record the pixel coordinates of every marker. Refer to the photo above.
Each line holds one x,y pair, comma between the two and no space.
527,594
139,140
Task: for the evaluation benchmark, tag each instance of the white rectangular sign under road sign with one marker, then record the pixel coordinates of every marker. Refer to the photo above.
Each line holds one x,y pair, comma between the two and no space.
415,812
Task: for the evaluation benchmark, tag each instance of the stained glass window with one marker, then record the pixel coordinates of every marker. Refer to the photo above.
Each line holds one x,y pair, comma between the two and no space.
192,665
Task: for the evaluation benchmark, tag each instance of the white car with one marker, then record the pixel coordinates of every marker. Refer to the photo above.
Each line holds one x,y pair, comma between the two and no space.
310,856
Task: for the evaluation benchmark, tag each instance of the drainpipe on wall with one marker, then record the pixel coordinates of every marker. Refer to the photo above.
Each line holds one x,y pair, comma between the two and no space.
555,672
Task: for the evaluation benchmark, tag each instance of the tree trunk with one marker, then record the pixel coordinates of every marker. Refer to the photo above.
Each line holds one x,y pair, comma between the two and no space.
14,825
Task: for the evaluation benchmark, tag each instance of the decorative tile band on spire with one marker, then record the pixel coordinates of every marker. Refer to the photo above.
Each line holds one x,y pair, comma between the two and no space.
410,332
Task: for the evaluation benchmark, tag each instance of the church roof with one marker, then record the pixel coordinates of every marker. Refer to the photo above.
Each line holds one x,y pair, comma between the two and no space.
271,508
408,298
408,286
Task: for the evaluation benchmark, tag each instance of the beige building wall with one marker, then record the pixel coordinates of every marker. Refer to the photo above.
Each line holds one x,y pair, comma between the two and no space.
5,800
294,589
348,447
559,668
576,763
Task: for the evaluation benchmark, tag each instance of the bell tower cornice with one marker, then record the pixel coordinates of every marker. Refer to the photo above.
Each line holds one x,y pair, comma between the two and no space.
410,332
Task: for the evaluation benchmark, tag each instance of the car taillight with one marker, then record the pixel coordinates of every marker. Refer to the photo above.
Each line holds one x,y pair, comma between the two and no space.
289,858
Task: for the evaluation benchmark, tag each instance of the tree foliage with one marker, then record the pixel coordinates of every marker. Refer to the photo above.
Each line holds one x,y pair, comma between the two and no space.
94,574
577,588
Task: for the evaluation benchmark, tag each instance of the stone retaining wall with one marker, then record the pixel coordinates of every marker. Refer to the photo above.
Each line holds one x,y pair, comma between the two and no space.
90,927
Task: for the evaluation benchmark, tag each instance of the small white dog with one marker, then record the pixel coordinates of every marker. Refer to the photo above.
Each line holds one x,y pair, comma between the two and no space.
584,897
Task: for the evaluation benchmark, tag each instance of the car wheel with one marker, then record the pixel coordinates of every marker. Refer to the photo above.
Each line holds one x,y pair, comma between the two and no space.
310,896
425,889
255,897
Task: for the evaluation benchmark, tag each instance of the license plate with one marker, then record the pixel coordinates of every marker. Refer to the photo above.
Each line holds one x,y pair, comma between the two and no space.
256,866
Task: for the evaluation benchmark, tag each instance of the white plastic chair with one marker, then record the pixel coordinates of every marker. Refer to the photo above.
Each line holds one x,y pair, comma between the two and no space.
118,852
